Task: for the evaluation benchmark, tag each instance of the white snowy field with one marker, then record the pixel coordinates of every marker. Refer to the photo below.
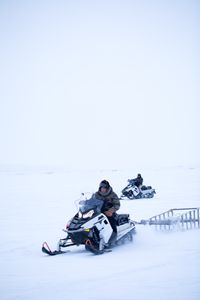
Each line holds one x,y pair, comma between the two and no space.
37,203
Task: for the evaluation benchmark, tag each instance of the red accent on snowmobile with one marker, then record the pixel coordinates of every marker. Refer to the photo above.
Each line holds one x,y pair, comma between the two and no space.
90,247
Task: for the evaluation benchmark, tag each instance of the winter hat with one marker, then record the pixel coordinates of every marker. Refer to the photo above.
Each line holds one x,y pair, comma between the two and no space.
104,184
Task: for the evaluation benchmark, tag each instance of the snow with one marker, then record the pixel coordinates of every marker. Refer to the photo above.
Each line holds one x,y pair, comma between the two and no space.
36,203
107,89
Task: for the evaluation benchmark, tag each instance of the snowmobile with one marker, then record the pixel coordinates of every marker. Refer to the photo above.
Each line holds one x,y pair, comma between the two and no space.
132,191
91,228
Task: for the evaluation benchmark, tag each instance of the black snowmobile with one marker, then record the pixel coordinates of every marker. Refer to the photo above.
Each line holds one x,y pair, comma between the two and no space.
132,191
91,228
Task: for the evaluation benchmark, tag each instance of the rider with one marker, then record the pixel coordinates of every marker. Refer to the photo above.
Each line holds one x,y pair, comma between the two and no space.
138,181
110,206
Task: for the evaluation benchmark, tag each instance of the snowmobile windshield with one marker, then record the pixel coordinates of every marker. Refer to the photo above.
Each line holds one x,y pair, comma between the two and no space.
131,181
90,204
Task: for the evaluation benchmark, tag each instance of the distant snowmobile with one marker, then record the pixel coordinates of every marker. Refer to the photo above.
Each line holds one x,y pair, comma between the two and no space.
91,228
131,191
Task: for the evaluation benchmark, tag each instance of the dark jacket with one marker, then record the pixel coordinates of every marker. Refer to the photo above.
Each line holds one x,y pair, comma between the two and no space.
138,181
110,199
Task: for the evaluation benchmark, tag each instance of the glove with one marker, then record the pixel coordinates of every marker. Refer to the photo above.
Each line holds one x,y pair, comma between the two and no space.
109,212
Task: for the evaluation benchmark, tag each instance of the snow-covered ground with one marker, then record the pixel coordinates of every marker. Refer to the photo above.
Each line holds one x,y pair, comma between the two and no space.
37,203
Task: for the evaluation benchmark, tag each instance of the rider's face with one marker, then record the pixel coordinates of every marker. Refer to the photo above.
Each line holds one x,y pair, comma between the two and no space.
103,190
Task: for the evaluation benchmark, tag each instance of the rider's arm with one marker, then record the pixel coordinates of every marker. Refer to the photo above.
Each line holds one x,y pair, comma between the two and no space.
116,202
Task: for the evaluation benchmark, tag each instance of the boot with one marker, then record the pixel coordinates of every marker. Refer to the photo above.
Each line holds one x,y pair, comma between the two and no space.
112,239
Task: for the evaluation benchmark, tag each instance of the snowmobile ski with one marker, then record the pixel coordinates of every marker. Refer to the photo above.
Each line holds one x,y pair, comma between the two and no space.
46,249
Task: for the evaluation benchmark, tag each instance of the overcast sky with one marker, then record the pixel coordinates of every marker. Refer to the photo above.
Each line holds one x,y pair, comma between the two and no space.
99,83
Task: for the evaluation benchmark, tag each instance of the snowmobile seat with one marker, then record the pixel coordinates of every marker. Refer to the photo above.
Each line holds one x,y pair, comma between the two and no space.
121,219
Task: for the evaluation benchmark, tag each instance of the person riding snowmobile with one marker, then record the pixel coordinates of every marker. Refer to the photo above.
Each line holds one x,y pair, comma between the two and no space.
138,181
110,206
90,226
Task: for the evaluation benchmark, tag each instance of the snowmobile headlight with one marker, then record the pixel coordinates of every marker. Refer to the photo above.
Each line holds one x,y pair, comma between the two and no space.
89,214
